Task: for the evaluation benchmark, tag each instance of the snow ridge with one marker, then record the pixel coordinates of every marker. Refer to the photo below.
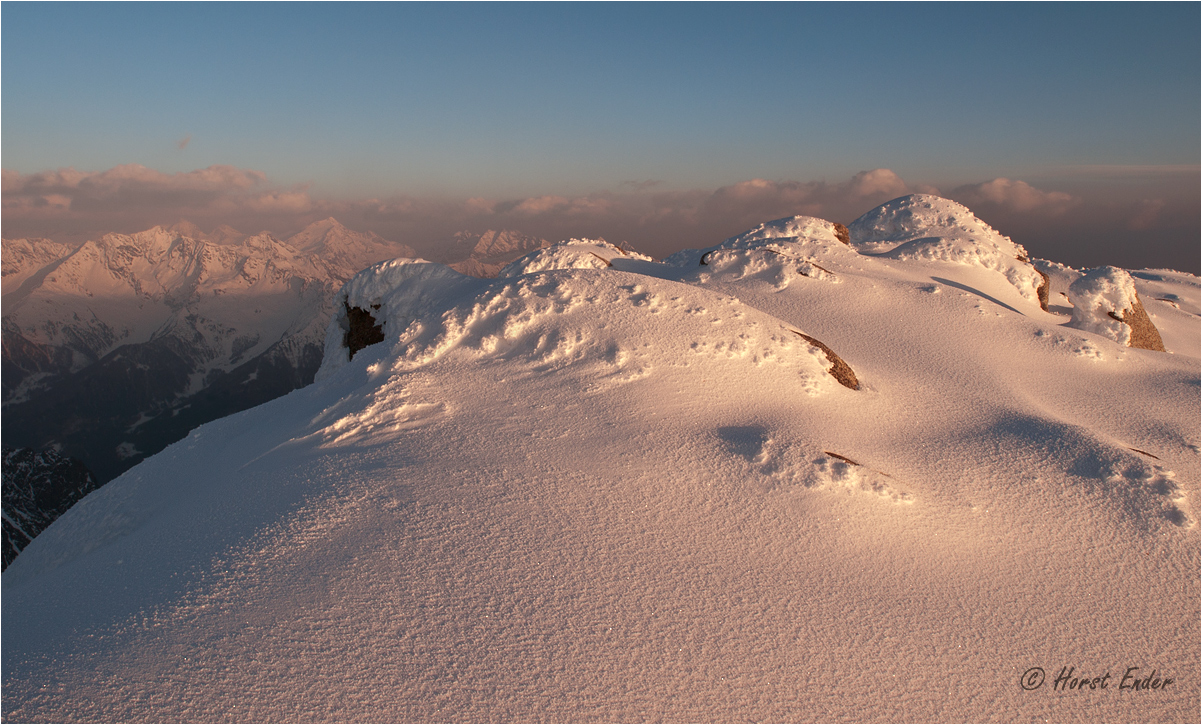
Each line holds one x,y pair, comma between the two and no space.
600,487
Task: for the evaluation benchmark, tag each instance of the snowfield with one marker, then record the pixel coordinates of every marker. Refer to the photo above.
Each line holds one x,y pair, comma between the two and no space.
604,488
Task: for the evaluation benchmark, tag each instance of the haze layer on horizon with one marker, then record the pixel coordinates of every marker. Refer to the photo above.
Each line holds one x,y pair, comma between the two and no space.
1071,128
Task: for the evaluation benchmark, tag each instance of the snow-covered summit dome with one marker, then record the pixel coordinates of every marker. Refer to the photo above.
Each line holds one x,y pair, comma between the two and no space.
795,238
569,254
795,227
923,227
918,215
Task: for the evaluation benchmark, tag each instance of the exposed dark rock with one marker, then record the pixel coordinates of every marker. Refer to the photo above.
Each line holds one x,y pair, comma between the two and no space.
815,265
362,329
1043,289
1045,286
842,234
39,486
1144,334
845,459
840,370
1101,291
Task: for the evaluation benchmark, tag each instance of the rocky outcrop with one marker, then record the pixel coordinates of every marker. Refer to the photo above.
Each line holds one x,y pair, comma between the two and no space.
1044,289
1144,334
1105,302
842,234
362,329
840,370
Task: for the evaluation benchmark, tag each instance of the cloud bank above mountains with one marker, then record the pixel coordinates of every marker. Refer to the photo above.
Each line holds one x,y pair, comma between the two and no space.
1133,218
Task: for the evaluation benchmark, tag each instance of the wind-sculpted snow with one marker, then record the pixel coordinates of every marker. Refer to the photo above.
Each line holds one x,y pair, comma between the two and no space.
411,288
1171,300
600,487
808,228
616,324
572,254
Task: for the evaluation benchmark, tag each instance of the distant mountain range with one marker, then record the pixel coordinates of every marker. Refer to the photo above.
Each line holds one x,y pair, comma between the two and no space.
484,255
115,348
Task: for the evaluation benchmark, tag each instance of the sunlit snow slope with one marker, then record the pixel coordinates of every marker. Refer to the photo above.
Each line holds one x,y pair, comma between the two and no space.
600,487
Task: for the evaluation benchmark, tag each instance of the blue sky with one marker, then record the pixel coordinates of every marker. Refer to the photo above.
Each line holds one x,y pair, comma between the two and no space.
520,100
382,98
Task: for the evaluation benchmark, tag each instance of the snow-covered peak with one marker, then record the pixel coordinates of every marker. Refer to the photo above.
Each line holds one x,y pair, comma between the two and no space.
794,227
345,249
148,242
484,255
265,241
922,227
23,258
318,235
916,216
495,244
570,254
125,288
185,228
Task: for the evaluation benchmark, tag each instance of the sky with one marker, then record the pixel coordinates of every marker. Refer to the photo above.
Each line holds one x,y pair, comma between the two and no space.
1074,127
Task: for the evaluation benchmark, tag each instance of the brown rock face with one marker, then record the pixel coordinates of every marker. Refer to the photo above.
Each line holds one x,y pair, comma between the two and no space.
842,234
840,370
1043,289
1144,334
361,330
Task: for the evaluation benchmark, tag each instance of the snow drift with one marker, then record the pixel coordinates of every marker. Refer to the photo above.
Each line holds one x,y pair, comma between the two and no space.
600,487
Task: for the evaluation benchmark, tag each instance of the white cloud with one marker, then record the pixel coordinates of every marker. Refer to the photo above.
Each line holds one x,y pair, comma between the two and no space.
1012,195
